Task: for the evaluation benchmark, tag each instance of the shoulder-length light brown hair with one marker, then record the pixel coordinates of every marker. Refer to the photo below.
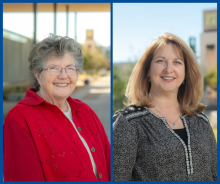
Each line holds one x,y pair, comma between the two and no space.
189,94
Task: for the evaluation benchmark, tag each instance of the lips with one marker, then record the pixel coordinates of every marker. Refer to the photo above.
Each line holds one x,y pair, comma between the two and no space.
61,85
167,78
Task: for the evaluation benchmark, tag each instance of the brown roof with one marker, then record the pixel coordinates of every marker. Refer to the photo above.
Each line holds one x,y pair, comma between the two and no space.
61,7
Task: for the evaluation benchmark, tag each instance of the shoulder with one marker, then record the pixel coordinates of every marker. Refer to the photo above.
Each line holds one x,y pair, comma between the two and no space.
18,115
131,112
123,127
18,111
202,116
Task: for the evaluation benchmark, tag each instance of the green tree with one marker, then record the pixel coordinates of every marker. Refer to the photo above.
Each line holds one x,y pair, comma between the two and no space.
118,90
94,60
211,79
120,80
127,70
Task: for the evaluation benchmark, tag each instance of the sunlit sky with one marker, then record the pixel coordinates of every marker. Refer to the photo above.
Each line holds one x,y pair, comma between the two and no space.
22,23
136,24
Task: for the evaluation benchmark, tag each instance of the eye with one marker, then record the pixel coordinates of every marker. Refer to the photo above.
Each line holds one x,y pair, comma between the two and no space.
71,68
160,61
54,68
177,62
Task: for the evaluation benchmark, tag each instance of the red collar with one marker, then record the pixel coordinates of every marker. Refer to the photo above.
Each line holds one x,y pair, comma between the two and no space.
32,98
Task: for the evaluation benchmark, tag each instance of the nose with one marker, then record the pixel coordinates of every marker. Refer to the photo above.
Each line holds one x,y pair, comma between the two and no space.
63,74
168,68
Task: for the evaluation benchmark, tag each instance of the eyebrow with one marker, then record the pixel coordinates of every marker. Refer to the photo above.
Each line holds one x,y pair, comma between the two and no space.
165,58
58,65
70,65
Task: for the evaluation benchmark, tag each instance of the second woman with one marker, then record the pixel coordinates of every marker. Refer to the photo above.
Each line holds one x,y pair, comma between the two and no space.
163,134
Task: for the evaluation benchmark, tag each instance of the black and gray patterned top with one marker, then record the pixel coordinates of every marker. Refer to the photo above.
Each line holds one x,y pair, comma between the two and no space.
145,148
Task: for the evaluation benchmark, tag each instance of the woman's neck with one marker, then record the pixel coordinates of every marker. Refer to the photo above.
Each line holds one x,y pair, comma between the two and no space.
61,103
164,102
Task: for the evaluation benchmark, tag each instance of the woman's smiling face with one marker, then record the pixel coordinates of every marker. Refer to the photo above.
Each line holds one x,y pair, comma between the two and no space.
57,87
167,70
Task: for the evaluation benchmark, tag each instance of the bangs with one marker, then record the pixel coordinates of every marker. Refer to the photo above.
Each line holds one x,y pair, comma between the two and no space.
160,45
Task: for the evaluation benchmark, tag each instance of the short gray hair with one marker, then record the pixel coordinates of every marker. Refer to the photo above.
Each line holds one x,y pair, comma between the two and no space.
53,46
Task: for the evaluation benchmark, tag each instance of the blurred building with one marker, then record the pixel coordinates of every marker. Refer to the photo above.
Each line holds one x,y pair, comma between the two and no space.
90,42
209,54
209,41
96,47
16,49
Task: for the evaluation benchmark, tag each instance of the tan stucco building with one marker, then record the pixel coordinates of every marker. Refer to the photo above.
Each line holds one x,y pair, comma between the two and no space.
208,50
208,54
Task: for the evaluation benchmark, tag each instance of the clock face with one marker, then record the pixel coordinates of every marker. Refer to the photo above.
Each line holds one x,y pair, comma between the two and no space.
211,19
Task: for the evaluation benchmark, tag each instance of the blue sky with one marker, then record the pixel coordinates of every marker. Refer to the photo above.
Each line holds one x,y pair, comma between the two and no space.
136,24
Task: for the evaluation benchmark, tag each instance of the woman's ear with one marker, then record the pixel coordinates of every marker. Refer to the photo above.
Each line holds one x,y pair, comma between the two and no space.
37,75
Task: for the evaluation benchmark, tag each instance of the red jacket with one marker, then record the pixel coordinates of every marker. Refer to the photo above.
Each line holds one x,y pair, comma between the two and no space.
41,144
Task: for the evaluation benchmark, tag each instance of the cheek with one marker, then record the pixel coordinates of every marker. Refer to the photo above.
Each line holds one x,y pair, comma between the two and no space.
73,80
182,73
156,70
47,81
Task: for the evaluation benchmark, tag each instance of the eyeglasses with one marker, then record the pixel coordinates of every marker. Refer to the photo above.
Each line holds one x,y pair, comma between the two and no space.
56,70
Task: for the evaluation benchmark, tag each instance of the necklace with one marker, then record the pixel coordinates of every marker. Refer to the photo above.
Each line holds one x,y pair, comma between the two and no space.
174,125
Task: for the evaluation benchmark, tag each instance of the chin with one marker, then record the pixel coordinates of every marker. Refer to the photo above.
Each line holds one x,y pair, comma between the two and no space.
169,89
62,95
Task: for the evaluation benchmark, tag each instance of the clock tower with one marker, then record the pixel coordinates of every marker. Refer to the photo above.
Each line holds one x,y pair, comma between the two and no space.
208,52
210,20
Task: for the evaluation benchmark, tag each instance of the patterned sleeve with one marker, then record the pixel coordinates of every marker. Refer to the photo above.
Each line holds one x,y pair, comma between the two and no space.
125,144
214,153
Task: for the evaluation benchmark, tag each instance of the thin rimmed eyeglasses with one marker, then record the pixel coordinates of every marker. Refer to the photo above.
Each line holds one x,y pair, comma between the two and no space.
56,70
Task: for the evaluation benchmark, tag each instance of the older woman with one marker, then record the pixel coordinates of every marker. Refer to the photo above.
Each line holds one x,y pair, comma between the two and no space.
163,134
49,136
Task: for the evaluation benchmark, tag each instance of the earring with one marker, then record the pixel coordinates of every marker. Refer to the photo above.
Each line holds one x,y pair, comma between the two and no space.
149,79
183,82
